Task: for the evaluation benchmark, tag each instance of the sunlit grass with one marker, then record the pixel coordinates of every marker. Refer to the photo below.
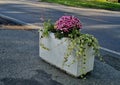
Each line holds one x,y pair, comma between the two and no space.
99,4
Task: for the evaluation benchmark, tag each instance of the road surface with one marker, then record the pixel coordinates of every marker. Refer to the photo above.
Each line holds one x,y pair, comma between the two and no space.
105,25
20,63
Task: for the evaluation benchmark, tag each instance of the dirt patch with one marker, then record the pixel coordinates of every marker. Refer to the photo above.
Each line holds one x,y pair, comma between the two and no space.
24,27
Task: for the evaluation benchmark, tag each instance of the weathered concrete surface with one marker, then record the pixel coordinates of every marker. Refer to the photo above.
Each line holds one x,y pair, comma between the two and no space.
20,64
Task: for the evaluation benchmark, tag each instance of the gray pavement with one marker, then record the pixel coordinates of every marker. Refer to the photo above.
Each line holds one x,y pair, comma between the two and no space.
102,24
20,64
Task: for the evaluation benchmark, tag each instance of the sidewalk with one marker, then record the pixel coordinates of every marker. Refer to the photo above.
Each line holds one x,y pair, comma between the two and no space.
23,65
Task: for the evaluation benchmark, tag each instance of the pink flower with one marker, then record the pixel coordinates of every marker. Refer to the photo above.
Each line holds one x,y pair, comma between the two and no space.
67,23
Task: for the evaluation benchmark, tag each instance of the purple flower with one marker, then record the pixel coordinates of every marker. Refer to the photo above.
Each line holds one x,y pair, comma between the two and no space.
67,23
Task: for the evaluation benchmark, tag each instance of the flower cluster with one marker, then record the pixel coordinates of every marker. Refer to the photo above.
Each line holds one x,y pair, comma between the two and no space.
67,23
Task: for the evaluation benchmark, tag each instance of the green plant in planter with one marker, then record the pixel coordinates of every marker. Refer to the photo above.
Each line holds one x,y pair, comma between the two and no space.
69,27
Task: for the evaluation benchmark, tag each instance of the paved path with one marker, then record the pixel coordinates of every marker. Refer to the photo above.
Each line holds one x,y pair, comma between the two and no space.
21,65
105,25
19,60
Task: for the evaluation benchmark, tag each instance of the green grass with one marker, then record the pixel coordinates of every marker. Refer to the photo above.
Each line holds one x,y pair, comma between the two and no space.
101,4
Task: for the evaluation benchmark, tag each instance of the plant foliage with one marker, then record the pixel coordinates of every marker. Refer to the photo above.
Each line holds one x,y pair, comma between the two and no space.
78,41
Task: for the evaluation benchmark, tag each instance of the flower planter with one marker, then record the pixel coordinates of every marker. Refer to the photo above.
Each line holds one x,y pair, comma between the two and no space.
55,55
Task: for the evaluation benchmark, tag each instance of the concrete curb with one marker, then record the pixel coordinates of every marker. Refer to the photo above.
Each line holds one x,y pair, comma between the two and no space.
24,24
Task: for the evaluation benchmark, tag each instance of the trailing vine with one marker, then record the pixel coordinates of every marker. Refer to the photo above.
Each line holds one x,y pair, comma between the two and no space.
78,42
79,45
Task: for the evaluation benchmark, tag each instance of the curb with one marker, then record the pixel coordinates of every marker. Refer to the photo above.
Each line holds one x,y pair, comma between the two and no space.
24,25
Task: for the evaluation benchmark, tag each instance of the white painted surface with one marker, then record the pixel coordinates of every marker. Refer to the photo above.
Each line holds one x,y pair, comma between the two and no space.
55,55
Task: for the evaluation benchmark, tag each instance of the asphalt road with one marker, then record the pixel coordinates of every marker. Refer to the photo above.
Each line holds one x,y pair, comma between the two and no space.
105,25
20,63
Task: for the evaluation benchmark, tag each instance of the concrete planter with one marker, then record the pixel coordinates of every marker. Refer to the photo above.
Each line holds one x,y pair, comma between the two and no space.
55,55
